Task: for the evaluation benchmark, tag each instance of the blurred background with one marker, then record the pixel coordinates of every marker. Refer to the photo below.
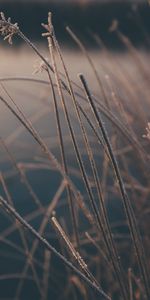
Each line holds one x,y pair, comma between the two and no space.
83,16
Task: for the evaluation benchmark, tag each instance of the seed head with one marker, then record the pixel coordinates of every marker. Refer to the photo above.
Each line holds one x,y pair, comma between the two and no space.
7,29
147,135
48,27
40,66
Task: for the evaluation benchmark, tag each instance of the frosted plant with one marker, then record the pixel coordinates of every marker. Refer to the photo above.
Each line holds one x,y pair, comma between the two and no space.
7,29
147,135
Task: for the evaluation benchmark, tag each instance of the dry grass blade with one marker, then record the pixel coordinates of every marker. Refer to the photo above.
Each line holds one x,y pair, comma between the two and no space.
73,251
64,161
96,245
130,284
83,49
46,271
75,281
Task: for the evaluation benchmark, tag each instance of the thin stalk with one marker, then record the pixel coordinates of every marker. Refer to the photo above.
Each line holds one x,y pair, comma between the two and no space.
61,143
76,255
135,55
130,284
46,270
85,52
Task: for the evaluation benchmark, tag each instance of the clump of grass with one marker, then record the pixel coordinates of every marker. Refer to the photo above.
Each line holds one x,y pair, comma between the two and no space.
95,255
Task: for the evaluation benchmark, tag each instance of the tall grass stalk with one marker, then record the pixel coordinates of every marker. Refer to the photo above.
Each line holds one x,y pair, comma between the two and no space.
73,251
61,143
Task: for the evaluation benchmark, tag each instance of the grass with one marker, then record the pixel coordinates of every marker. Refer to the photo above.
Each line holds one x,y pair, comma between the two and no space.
100,259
